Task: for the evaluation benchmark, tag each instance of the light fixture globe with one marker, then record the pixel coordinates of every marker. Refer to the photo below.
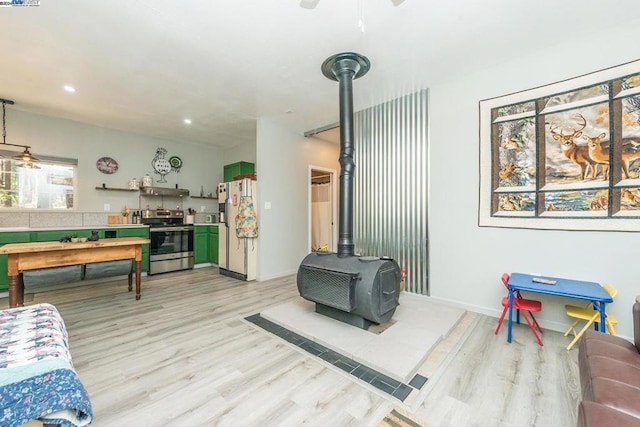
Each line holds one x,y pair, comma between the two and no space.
26,156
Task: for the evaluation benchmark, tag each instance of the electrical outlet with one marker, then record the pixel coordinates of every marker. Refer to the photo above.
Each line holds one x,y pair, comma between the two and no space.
107,207
201,208
267,205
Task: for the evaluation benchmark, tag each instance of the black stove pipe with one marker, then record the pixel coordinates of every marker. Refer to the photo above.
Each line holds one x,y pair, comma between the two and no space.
346,67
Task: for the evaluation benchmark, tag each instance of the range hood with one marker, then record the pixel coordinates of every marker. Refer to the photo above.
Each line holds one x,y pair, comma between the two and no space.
164,191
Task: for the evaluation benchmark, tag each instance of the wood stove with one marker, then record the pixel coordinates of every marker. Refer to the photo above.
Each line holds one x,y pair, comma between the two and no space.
353,289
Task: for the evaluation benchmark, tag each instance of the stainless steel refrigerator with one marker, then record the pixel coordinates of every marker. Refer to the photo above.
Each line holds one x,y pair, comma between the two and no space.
237,253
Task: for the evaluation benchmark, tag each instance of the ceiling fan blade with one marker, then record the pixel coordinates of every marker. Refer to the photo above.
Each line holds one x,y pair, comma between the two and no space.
397,2
309,4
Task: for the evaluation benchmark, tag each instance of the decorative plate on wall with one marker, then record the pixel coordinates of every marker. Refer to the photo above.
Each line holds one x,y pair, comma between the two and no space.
175,162
107,165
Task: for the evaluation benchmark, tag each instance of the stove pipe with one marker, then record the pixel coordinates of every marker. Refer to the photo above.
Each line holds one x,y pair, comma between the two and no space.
344,68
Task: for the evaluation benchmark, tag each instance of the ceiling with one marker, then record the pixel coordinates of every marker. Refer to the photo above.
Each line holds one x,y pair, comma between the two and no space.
142,66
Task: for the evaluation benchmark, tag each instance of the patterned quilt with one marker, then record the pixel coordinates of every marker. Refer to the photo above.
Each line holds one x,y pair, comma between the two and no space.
37,379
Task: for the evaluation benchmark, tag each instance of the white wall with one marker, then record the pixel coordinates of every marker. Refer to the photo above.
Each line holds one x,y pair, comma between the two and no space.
283,159
241,153
466,261
202,165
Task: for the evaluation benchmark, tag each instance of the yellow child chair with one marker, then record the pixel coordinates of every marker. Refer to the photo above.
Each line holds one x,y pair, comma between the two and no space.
591,315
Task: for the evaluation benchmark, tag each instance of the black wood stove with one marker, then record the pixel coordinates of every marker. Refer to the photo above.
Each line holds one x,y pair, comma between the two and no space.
359,290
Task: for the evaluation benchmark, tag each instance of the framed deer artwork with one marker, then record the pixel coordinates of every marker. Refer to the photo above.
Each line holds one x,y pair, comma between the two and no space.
565,155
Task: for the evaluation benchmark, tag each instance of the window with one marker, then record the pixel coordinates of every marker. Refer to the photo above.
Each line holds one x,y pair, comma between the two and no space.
572,154
48,184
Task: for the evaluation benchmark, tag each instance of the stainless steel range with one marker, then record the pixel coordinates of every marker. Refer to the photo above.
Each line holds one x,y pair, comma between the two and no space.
171,247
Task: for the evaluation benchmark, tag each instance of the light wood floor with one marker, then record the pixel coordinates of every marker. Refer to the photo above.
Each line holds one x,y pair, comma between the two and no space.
184,356
489,382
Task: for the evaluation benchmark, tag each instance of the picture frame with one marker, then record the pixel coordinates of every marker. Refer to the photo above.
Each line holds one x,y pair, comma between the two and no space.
564,155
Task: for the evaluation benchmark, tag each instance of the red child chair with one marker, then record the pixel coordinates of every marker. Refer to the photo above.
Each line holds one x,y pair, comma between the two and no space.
522,305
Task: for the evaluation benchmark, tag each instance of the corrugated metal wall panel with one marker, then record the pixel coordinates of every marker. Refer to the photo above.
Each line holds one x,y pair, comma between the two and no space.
391,185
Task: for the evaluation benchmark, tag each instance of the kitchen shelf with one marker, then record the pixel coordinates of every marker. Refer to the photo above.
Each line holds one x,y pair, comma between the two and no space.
204,197
114,189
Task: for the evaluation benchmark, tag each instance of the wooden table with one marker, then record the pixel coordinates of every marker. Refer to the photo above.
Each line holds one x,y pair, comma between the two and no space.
37,255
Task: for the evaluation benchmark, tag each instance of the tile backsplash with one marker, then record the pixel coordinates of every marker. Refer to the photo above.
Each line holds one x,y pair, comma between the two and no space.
63,219
52,219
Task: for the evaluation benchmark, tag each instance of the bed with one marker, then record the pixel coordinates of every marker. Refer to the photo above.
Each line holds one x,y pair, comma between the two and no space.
37,378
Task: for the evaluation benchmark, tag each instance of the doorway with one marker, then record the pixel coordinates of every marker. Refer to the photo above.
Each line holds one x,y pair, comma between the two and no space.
323,233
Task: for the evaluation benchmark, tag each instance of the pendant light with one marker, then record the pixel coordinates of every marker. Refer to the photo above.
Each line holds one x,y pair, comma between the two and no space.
26,155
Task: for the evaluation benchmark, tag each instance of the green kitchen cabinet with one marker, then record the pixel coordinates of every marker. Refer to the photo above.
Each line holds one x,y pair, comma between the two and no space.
56,235
15,237
133,232
213,244
137,232
5,238
236,169
205,244
201,244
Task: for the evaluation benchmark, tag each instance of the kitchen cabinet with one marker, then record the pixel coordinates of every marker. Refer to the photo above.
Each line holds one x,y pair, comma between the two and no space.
205,244
15,237
56,235
236,169
201,244
213,243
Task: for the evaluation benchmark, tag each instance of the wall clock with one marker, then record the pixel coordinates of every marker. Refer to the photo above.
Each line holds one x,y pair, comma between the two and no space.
107,165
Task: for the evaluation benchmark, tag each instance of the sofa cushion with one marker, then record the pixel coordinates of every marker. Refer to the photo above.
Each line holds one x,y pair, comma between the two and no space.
606,367
594,414
617,395
592,334
598,344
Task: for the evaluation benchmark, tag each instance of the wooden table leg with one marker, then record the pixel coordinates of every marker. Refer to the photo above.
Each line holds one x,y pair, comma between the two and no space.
16,285
138,263
130,281
20,290
14,290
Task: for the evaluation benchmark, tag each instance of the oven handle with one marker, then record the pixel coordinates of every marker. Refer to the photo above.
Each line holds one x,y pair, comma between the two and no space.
163,229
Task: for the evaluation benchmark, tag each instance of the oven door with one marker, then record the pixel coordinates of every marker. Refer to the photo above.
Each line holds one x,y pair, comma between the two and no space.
171,249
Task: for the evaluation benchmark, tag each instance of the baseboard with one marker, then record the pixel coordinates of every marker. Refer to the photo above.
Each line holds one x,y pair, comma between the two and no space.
262,278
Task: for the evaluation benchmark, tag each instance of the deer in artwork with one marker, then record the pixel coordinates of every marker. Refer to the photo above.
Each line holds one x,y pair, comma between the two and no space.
601,155
578,154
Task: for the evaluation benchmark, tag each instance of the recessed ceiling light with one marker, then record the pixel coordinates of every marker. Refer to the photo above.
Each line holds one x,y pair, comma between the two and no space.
69,89
187,121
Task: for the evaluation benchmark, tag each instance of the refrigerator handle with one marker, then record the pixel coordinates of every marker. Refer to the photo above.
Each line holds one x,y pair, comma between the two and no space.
226,187
227,211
